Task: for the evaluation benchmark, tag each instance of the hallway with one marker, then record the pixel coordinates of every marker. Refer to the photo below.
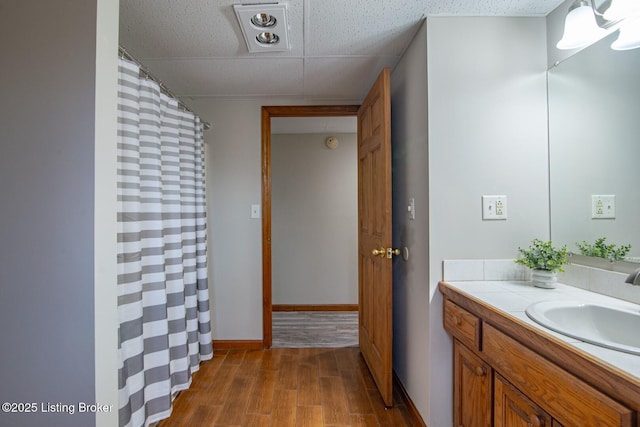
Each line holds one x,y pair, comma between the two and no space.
285,387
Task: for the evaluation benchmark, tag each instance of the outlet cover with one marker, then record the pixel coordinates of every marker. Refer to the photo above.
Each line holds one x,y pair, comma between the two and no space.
603,206
494,207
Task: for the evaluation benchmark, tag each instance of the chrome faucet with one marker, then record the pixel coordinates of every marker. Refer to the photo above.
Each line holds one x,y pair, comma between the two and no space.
634,278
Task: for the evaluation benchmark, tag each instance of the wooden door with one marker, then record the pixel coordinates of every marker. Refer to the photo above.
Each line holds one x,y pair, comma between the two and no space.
472,390
374,233
514,409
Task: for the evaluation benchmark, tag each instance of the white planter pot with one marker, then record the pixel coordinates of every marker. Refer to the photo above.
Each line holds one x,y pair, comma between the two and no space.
544,279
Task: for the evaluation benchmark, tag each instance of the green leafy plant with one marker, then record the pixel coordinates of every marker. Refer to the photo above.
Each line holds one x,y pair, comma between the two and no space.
543,256
601,250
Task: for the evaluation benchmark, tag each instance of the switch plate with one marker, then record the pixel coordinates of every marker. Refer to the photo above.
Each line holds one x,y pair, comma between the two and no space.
255,211
603,206
411,208
494,207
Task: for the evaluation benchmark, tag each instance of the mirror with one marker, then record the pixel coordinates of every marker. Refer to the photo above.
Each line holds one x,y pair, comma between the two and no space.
594,146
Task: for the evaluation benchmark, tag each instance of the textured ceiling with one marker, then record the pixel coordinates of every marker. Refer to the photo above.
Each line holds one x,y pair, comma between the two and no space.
337,46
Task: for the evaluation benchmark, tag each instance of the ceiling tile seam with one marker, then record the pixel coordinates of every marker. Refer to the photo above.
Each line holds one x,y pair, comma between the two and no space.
246,58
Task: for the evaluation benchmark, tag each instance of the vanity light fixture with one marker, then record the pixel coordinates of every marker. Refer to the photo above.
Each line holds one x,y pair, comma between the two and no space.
629,37
580,27
585,24
264,26
621,9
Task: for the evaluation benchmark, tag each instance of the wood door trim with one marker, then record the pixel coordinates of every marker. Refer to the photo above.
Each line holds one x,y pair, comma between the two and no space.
267,113
406,399
237,345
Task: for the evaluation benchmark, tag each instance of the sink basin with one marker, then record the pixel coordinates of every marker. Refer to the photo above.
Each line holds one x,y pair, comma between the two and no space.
607,326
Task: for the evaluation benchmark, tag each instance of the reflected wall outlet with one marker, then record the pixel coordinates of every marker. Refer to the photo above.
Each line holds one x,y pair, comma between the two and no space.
603,206
494,207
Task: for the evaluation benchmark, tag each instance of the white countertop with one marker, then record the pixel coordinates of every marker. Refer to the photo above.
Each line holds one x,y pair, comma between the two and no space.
512,298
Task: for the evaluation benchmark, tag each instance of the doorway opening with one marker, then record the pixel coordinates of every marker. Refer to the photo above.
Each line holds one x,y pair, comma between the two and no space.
269,112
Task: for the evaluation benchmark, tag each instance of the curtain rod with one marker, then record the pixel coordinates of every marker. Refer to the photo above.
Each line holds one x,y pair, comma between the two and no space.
145,72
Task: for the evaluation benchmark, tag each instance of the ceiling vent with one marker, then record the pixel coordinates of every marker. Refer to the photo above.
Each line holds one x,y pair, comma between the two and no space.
264,26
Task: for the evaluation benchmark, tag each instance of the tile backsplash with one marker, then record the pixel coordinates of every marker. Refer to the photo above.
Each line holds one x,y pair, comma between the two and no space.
484,269
604,282
589,278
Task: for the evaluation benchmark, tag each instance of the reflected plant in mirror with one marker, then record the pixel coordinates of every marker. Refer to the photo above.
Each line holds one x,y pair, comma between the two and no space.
594,149
600,249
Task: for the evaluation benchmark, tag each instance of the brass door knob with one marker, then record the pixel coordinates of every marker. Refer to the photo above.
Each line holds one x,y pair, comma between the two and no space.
379,252
385,252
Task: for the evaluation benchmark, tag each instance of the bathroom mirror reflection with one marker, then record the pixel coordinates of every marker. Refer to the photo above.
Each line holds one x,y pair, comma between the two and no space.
594,147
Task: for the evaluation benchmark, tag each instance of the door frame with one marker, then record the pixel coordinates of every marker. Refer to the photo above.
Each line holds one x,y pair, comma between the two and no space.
267,113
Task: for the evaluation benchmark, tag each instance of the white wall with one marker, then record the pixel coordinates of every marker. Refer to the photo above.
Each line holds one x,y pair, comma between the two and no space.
314,219
235,240
105,226
487,135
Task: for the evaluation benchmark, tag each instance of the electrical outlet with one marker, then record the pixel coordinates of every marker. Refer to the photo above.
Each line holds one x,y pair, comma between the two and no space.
603,206
494,207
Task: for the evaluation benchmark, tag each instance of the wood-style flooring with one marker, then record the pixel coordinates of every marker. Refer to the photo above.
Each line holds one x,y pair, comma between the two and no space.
297,329
293,387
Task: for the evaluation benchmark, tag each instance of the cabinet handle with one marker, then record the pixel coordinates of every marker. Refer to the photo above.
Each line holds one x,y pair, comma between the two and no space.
535,421
481,371
457,320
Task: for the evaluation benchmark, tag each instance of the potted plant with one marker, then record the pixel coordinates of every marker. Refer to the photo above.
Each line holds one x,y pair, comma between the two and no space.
545,261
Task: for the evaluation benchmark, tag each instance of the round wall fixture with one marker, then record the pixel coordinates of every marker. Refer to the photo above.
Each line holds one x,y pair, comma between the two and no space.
332,143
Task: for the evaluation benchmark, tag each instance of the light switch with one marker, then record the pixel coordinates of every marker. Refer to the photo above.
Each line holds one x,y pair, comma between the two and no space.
255,211
411,208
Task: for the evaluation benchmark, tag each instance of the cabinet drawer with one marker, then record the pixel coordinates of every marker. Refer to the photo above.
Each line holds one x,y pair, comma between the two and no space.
567,398
462,324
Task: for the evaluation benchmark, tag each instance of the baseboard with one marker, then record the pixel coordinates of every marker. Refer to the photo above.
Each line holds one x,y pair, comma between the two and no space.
314,307
413,411
237,345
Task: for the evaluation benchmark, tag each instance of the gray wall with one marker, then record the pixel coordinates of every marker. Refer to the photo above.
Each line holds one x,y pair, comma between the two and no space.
593,140
487,135
47,52
469,118
314,219
409,138
233,184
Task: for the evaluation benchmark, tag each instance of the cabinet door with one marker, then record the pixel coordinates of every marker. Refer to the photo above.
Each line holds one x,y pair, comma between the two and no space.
472,389
513,409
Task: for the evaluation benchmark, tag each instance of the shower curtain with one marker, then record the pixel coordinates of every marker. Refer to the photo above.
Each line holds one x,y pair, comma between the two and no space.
163,301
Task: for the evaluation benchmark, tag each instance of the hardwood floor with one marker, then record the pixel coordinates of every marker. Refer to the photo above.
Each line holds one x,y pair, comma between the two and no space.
285,387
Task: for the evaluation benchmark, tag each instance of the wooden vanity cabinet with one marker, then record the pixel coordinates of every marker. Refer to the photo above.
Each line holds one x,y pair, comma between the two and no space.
514,409
472,388
500,382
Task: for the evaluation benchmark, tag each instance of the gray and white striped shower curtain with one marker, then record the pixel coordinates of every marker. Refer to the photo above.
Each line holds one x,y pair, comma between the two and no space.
163,302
